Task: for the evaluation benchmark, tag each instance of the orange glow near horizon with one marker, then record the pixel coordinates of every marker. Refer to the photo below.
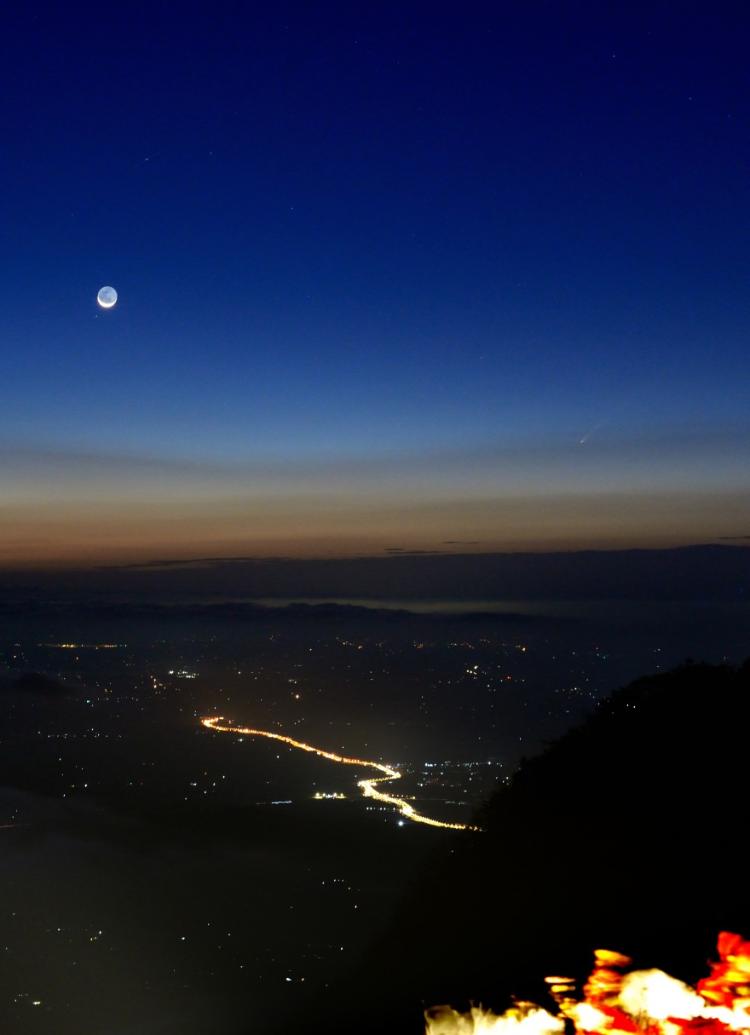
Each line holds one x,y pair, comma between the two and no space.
138,527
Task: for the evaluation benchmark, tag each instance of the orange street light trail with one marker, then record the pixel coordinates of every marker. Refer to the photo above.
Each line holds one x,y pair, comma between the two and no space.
368,788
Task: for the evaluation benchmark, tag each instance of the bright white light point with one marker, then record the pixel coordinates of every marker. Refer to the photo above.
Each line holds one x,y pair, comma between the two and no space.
106,297
401,822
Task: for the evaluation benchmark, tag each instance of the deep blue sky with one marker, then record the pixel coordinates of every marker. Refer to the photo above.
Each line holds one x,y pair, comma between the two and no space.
397,237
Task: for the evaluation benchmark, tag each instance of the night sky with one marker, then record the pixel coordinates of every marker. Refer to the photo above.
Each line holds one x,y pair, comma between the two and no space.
391,276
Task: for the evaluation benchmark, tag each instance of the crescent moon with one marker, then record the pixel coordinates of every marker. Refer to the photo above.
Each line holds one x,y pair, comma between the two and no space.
106,297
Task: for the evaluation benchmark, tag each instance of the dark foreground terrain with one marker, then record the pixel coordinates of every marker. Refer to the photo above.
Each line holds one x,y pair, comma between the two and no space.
159,878
626,833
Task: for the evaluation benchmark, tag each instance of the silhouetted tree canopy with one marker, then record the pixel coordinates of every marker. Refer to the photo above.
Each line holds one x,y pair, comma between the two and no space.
627,833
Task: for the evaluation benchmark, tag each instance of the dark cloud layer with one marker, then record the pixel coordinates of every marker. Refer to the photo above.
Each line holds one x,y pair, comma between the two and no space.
710,572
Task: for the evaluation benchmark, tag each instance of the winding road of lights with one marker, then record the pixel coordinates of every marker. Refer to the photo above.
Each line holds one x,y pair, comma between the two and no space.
368,788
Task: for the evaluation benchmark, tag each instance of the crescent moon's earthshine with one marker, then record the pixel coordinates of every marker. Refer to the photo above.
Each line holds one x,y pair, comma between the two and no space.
106,297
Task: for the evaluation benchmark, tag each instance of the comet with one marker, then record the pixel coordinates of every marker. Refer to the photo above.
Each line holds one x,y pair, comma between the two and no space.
584,438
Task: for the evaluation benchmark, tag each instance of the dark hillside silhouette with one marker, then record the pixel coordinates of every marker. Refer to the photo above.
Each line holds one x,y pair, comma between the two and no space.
625,834
35,684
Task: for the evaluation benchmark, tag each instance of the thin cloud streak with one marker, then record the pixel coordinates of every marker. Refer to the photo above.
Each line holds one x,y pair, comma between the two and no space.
624,460
18,457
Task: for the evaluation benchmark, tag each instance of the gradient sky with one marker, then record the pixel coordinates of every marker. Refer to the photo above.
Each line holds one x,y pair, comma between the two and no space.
390,275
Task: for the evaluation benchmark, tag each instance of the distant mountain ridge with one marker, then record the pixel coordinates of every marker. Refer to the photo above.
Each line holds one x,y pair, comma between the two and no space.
249,611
